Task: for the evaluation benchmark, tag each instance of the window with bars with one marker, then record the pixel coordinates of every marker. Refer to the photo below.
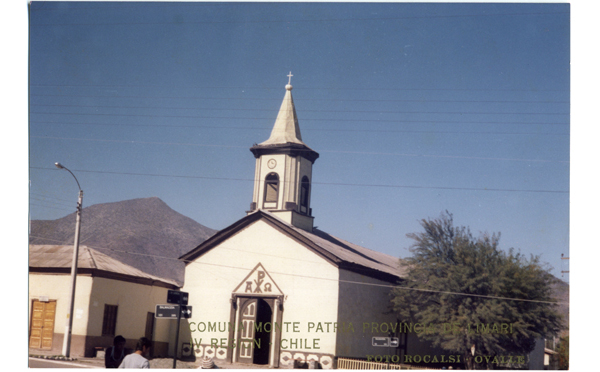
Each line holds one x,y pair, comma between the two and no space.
109,324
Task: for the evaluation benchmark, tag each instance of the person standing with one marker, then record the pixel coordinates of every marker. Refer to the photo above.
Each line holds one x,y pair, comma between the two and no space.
138,358
114,355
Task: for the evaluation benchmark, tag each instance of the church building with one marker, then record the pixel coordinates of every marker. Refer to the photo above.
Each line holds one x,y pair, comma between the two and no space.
271,289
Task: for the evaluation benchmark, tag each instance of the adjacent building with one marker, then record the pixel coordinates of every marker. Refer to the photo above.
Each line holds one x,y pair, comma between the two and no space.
111,298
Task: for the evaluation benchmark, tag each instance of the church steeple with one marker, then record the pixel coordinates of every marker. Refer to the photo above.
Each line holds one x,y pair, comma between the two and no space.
282,181
286,129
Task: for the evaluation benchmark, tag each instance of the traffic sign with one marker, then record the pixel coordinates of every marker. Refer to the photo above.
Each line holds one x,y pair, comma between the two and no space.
177,297
167,311
380,341
186,312
385,341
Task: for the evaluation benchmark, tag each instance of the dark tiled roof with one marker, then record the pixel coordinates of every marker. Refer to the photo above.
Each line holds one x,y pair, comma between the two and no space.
355,254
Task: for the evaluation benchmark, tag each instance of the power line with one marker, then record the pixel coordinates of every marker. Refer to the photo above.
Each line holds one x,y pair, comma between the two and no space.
299,99
48,197
303,129
536,91
272,119
51,202
326,279
325,151
50,207
309,110
324,183
288,21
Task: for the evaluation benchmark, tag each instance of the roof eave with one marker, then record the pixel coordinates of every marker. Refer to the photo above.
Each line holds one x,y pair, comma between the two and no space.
105,274
292,149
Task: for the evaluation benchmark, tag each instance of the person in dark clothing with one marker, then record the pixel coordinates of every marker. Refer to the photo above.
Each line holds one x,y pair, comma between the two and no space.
114,355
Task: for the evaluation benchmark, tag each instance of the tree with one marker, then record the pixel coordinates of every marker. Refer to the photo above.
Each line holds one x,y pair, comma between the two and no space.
456,282
563,353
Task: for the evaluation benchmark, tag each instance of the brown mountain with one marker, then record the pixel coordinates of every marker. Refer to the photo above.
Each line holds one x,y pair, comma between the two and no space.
144,233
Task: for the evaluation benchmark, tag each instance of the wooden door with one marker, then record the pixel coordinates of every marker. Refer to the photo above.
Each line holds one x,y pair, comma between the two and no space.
42,325
245,348
149,333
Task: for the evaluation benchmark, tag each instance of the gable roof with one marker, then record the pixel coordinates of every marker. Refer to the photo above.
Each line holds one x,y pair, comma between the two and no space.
59,258
336,251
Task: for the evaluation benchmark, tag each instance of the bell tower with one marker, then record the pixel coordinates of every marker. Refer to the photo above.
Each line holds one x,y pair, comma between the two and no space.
283,176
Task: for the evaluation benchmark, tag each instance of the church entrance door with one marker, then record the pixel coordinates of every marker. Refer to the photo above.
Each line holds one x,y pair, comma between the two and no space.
256,310
256,318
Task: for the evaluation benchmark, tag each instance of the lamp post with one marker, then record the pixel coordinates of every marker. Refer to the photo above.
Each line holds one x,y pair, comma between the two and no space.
66,351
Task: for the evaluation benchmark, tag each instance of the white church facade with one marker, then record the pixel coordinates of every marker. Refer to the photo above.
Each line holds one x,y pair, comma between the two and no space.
271,289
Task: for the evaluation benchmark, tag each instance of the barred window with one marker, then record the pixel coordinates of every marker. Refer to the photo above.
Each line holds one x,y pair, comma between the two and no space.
109,324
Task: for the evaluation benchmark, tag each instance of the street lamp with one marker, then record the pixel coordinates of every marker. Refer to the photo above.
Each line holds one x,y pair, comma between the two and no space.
66,351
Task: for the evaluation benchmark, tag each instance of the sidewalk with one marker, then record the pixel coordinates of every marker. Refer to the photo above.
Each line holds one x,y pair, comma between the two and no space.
159,363
84,362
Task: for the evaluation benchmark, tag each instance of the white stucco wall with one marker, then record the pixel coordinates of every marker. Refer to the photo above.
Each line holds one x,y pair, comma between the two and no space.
134,301
92,293
58,287
211,278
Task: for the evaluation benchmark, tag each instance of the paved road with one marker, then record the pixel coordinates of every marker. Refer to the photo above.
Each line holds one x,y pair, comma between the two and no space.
44,363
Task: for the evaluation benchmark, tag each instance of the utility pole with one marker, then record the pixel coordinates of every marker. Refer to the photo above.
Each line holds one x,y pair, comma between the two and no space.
562,257
66,351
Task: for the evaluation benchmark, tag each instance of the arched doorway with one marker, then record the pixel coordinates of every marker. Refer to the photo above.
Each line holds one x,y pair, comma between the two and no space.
256,313
254,333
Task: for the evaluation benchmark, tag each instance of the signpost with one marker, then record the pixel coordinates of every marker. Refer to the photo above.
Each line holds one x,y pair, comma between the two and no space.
177,310
380,341
385,341
177,297
166,311
186,312
171,311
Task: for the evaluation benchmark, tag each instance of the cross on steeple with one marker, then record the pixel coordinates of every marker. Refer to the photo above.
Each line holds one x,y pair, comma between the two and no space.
290,78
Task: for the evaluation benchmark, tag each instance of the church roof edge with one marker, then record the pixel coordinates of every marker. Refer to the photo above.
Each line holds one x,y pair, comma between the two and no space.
338,252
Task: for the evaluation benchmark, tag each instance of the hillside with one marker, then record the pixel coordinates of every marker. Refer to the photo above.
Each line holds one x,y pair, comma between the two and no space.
144,233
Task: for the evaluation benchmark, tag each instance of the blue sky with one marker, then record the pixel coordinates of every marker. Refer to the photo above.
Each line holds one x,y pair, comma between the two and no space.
414,108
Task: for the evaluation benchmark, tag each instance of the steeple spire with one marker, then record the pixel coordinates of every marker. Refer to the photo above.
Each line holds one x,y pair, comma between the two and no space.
286,129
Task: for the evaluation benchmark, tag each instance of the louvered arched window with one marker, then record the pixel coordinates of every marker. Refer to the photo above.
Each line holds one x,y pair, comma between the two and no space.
271,191
304,192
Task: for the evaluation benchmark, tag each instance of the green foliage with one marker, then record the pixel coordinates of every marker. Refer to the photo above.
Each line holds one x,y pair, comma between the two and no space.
563,353
449,262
